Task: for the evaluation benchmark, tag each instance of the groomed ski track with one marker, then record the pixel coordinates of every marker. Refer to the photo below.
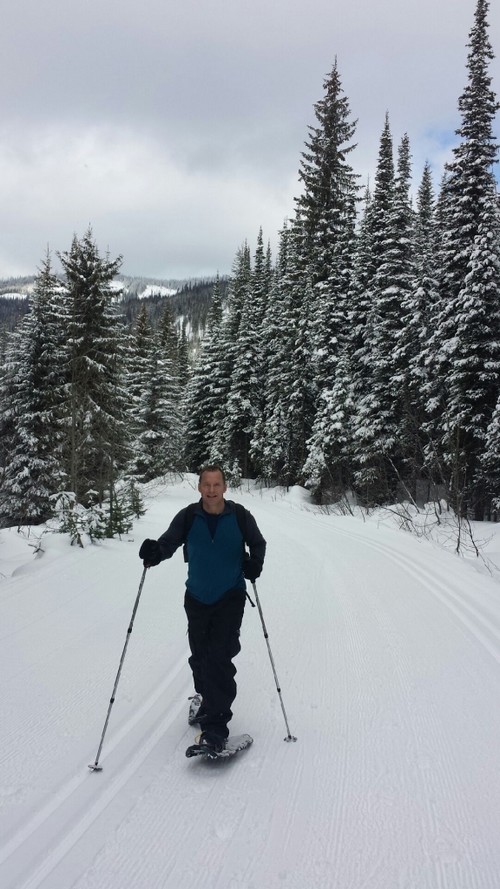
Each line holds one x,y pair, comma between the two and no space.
388,654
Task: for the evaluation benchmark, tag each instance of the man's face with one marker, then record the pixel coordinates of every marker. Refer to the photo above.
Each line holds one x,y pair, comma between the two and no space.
212,489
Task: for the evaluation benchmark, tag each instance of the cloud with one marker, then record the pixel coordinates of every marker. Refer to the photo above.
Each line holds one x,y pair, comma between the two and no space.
176,128
189,221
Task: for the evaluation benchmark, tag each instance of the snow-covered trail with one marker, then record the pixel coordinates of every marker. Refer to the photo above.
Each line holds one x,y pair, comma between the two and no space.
388,655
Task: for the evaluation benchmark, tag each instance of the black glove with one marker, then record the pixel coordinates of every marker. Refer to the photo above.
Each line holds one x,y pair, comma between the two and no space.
150,553
252,569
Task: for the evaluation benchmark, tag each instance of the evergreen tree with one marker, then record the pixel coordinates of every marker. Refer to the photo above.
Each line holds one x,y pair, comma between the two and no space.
373,308
155,394
226,350
325,211
396,308
173,374
474,383
183,359
302,393
95,451
31,397
279,445
138,367
203,391
332,450
414,353
245,398
327,469
467,337
271,438
328,213
315,280
168,340
383,284
490,465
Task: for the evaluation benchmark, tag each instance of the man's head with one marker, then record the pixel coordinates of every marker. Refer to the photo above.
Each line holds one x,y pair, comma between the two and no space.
212,487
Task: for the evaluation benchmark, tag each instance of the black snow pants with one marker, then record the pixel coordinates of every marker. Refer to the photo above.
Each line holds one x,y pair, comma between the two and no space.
214,640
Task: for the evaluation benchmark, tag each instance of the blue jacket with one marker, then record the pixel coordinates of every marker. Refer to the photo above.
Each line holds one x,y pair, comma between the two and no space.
215,550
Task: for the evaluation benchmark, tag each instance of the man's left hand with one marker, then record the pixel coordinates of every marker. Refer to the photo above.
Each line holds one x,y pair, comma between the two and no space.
252,569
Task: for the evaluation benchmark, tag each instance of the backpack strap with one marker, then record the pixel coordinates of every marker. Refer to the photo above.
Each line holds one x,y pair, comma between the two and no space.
241,516
188,521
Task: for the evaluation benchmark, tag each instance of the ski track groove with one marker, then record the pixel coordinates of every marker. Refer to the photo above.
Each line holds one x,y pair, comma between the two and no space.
69,792
469,616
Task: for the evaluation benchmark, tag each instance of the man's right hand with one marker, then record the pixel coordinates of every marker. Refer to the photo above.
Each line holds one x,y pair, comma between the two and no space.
150,553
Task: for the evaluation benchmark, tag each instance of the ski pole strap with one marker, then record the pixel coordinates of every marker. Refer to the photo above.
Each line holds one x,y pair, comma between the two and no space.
252,603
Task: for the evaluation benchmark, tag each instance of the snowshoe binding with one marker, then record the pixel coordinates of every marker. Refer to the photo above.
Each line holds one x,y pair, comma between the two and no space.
196,715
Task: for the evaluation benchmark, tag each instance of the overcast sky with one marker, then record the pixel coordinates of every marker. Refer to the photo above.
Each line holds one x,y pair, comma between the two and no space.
174,127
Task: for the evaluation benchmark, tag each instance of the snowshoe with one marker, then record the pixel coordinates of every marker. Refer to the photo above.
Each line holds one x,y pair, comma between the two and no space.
221,749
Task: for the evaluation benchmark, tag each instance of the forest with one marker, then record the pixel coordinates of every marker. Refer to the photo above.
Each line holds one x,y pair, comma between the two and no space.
362,362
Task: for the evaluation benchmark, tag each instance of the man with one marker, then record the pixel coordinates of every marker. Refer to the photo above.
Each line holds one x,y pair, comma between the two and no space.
215,592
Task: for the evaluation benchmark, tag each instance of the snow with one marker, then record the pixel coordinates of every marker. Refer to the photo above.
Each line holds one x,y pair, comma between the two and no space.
387,649
156,290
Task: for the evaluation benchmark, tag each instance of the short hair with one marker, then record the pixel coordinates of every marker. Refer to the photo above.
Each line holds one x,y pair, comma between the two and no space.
213,467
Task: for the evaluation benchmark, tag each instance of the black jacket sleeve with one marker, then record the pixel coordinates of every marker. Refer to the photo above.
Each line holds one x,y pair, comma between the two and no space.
254,540
173,537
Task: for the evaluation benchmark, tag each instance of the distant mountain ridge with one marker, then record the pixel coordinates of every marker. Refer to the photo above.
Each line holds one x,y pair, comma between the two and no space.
21,287
189,300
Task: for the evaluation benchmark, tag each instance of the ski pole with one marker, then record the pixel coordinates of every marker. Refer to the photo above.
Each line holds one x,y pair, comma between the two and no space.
289,736
95,767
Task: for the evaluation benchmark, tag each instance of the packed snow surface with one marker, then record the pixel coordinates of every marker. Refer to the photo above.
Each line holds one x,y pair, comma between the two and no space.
387,650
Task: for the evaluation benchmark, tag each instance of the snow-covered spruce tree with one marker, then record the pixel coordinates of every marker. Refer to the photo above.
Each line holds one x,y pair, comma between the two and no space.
490,465
433,389
167,431
174,347
227,352
396,309
202,394
479,377
316,278
183,359
157,447
169,341
32,398
265,360
6,415
347,387
3,343
270,441
328,470
327,211
245,399
414,356
467,335
137,366
154,394
375,311
279,443
302,393
96,408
